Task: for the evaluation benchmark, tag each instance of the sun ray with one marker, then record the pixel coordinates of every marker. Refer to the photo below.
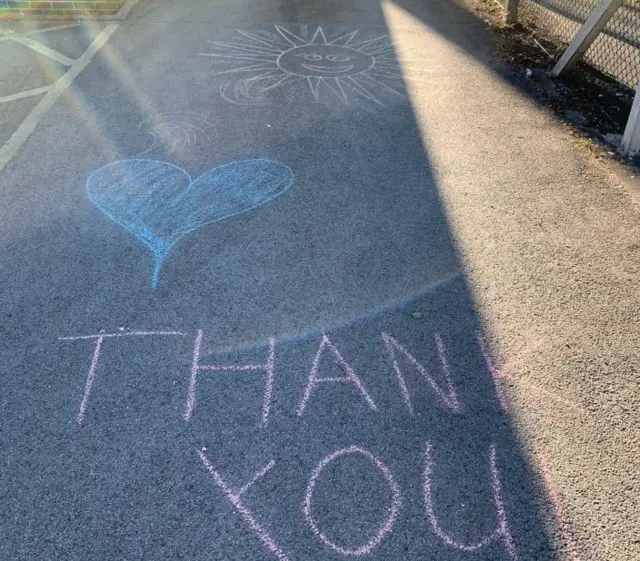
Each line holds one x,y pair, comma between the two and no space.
269,34
359,88
318,37
373,82
401,77
398,67
396,56
370,43
314,84
402,63
259,39
389,67
381,50
403,51
273,72
290,37
392,67
344,40
418,79
336,87
249,48
257,58
406,68
385,75
251,68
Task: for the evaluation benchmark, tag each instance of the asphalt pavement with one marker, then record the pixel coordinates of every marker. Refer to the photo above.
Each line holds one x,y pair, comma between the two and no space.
307,281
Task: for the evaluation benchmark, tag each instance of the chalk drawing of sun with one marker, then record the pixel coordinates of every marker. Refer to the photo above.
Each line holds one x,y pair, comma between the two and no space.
342,66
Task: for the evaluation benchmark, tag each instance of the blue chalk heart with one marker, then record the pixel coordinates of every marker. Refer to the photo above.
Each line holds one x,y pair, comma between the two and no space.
160,204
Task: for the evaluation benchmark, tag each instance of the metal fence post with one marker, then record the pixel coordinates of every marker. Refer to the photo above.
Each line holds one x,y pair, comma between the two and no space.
586,35
631,137
511,7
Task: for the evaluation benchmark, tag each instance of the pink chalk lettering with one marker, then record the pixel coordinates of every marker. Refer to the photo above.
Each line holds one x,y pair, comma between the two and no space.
235,498
502,532
496,375
122,333
314,380
449,398
99,339
196,367
385,528
89,383
570,544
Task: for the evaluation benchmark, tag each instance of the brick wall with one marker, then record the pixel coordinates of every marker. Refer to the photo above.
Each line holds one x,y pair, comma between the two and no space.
59,7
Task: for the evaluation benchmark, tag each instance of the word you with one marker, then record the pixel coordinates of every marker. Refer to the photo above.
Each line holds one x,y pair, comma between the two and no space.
160,203
340,66
501,534
397,353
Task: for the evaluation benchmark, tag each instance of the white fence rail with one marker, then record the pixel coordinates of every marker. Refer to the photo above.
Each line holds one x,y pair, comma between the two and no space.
605,33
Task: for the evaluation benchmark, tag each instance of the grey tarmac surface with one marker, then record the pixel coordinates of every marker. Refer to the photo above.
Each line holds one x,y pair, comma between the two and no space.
474,273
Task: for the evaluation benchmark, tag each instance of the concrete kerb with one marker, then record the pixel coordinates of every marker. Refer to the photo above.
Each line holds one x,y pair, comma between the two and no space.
121,15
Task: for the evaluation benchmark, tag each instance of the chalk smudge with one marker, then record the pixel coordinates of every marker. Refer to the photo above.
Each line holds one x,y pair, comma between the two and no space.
174,131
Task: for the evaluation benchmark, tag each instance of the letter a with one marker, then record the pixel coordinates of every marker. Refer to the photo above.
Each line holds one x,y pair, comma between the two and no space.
314,380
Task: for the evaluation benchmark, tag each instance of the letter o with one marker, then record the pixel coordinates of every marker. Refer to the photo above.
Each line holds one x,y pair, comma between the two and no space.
385,528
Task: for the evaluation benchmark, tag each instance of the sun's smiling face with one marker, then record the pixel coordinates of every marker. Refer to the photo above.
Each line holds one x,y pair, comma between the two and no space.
325,61
258,63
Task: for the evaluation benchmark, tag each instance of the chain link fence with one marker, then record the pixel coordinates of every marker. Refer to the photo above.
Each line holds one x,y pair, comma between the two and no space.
616,51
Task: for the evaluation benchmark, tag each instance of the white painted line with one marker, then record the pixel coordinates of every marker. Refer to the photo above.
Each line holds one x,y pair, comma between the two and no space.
27,93
38,112
6,35
124,11
586,35
44,50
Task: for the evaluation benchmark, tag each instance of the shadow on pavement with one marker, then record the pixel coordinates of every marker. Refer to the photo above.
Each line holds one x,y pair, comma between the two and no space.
389,438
